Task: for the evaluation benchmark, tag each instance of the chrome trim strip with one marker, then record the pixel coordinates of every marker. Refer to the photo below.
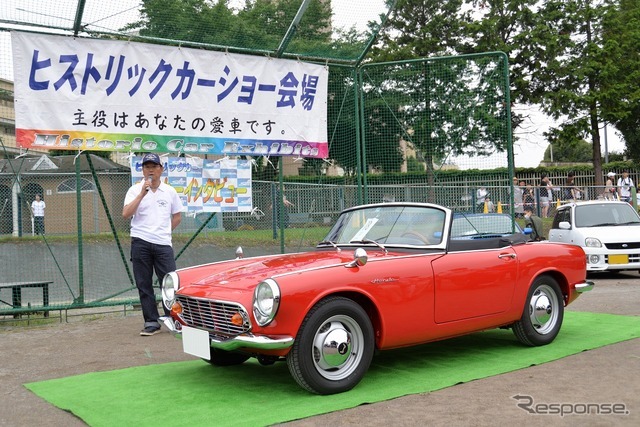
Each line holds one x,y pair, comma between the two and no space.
584,287
248,341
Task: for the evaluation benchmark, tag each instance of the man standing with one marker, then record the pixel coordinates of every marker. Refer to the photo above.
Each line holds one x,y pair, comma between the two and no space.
155,211
37,209
534,222
624,187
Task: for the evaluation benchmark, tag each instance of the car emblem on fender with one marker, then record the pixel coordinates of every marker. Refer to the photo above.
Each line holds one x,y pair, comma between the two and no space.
385,280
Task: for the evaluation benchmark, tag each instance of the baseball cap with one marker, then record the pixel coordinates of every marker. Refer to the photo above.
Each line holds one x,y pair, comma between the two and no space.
611,174
151,157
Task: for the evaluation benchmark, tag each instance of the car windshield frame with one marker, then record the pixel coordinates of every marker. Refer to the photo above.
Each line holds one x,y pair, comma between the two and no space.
391,224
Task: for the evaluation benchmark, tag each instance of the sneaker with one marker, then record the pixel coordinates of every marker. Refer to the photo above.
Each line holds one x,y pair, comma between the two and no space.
149,330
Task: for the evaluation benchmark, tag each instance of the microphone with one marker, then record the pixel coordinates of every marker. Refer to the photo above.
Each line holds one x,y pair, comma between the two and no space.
149,180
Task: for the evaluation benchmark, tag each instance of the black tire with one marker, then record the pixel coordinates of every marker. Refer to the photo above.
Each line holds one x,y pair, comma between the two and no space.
226,358
334,347
542,315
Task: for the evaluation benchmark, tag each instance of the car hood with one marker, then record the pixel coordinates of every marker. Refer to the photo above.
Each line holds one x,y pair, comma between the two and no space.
243,274
610,234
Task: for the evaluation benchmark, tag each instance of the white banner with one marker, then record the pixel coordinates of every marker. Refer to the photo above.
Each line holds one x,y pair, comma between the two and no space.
205,185
105,95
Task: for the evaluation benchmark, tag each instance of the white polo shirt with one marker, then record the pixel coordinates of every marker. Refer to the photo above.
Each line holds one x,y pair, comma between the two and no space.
38,207
152,220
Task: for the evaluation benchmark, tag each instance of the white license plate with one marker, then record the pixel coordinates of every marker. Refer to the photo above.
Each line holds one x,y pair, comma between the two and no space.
196,342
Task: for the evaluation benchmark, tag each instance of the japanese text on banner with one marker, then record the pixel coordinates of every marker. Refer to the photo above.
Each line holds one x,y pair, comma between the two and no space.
106,95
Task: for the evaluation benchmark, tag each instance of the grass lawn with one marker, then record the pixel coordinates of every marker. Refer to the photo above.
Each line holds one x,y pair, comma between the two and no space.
302,236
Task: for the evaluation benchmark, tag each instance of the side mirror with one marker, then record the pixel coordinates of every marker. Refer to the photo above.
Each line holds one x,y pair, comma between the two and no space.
564,225
360,258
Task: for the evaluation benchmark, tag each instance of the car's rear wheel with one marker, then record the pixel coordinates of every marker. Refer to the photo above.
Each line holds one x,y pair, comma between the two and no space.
334,347
543,313
226,358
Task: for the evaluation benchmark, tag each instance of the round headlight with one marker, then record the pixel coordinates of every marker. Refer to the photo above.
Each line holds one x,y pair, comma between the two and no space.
266,299
592,242
170,284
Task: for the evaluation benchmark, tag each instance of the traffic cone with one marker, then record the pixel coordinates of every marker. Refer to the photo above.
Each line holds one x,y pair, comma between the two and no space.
486,207
558,204
499,210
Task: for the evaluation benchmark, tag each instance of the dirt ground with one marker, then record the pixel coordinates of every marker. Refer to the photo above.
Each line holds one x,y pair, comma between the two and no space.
602,377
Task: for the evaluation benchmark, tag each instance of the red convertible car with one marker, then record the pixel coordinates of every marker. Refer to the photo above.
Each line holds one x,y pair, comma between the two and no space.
387,276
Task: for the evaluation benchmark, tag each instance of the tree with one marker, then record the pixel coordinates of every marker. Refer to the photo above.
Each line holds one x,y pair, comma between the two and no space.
558,52
621,76
568,83
567,146
419,29
450,107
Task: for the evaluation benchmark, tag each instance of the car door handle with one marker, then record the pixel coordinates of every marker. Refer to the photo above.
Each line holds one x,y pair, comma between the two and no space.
512,256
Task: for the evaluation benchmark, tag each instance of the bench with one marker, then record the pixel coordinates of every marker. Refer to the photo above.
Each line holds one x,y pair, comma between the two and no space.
16,293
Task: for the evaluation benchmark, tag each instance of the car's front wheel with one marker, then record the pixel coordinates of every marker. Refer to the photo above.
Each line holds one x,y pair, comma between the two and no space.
334,347
543,313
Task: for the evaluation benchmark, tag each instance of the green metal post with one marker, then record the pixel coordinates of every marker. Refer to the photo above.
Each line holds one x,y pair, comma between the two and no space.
280,202
356,108
80,299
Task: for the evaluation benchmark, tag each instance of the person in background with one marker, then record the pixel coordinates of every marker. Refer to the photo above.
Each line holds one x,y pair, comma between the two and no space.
489,204
571,192
37,209
285,212
518,207
624,186
534,222
481,193
155,211
545,194
528,197
610,190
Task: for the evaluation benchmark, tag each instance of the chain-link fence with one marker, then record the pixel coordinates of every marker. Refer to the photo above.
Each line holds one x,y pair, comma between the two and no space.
422,130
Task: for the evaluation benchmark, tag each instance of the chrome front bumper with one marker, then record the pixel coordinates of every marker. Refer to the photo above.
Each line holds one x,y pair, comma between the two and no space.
584,287
240,341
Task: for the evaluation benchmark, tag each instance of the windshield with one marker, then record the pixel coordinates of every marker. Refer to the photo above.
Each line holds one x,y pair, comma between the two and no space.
606,214
401,225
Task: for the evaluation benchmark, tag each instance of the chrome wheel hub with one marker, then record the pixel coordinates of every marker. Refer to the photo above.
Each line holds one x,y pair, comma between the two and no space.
338,347
543,309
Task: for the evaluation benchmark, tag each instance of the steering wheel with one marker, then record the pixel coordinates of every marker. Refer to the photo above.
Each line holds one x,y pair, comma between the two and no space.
417,235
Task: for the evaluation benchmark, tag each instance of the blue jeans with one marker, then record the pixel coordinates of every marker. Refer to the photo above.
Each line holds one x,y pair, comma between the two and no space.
145,258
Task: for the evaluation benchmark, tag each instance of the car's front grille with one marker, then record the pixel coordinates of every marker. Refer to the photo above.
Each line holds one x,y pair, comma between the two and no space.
623,245
214,316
